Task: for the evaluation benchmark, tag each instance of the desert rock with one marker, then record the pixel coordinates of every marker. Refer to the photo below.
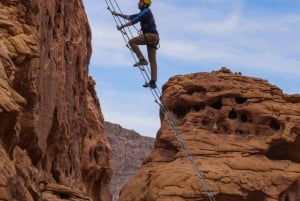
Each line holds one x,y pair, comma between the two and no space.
243,133
53,145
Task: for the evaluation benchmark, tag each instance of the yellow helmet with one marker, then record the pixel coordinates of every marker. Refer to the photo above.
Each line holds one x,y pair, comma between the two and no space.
147,2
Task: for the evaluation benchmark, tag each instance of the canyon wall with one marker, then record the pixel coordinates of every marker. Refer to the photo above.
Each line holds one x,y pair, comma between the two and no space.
52,138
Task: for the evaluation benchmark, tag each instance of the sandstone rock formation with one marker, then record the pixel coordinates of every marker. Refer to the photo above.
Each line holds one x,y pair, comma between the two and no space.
243,132
292,193
129,149
52,142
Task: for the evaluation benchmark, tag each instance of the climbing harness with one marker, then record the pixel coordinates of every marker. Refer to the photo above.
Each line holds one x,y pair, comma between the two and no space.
145,71
155,45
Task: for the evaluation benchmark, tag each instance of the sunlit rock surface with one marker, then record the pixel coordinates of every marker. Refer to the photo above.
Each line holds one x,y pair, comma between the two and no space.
52,142
243,132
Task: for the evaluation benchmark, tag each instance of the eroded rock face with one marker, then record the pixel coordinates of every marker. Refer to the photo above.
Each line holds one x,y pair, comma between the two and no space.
243,133
52,138
292,193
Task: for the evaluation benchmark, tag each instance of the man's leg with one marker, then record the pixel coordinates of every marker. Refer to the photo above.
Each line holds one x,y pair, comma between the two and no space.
152,40
134,42
152,59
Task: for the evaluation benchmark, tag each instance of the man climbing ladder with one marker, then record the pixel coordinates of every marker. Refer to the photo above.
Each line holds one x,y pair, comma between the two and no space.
149,36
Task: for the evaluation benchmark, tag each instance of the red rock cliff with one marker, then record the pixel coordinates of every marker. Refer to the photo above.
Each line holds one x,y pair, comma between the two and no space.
243,132
52,138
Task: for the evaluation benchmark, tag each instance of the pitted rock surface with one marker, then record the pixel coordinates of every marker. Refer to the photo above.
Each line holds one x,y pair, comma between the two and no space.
242,131
52,142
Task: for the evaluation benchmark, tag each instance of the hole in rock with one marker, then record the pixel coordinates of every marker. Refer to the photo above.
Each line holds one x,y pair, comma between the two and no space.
66,173
240,100
55,175
63,195
198,90
58,9
252,196
205,121
197,108
244,117
167,145
98,156
240,132
190,92
223,128
181,111
256,195
217,105
282,150
8,137
71,170
275,125
232,114
28,141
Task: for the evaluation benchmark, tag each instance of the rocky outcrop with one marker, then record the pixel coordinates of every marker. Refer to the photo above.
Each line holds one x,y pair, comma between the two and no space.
52,138
129,149
243,132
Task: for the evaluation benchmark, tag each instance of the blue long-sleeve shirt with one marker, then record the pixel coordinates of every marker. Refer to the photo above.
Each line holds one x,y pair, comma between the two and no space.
146,19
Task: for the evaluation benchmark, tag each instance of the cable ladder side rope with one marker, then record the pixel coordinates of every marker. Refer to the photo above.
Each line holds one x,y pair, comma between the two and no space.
145,71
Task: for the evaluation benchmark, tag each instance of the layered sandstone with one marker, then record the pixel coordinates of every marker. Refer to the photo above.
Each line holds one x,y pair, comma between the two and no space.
52,138
244,135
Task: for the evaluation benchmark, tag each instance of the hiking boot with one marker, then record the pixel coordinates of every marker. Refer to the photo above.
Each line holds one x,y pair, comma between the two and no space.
141,62
150,84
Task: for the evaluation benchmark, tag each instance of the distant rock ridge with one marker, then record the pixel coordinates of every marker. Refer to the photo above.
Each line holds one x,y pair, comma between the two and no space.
243,132
129,150
52,141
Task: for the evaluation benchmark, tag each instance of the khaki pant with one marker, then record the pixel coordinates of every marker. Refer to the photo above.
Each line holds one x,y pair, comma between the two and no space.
151,41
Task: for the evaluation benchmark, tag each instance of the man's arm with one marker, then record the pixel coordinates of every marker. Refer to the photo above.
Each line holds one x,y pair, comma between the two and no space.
127,17
138,17
133,18
129,23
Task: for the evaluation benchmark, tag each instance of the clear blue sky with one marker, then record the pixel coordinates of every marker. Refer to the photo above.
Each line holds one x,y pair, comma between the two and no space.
258,38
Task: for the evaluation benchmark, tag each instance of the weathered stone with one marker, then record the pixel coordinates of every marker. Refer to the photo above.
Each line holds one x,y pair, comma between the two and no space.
243,133
292,193
52,138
